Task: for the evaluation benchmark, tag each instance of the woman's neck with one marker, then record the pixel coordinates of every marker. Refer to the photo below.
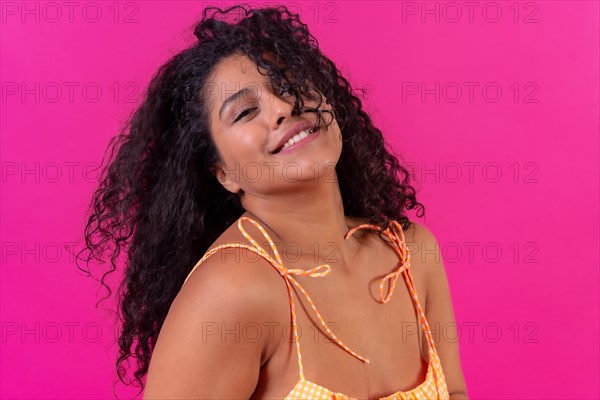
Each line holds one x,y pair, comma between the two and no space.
307,225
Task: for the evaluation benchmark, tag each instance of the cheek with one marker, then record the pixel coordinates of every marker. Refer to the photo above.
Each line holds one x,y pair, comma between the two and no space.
335,134
241,146
245,143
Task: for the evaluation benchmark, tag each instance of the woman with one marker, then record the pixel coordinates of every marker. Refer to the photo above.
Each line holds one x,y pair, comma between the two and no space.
251,154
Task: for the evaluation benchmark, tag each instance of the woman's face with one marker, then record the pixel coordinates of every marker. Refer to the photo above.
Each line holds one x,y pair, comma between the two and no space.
248,121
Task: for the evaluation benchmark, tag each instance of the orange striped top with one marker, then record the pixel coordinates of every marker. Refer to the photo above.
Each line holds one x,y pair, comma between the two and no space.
434,386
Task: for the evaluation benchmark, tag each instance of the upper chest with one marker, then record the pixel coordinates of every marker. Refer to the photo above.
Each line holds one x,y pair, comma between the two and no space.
347,300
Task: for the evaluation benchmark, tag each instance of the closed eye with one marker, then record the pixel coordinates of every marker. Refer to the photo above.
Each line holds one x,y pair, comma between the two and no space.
243,113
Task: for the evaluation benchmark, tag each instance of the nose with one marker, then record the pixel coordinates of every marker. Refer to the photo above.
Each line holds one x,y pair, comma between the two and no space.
280,109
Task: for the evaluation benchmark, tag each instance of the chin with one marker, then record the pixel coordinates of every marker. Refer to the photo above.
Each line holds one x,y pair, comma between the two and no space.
310,169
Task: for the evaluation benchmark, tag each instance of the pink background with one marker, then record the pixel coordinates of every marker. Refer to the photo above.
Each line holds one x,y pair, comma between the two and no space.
516,174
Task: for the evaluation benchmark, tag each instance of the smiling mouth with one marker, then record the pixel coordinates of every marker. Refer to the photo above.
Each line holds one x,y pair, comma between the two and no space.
296,138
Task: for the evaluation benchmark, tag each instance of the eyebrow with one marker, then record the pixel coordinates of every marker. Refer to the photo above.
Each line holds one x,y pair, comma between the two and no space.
233,98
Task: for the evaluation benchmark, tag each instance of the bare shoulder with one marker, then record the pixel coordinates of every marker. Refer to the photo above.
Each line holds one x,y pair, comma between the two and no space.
439,310
423,247
430,278
415,232
239,280
417,236
425,255
418,233
202,345
237,267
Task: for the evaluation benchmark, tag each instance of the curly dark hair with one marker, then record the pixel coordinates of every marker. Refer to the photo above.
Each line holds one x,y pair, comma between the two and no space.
159,203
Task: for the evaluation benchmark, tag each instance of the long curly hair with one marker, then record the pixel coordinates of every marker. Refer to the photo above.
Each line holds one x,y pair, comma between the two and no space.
160,205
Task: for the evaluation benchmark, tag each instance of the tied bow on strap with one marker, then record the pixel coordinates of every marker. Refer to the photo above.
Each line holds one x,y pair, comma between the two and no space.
395,233
316,272
287,274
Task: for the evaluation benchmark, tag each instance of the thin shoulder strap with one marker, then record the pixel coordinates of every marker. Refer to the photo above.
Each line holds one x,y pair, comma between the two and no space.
287,274
396,234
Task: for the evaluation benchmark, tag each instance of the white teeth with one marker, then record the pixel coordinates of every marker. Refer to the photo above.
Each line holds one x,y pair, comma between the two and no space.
295,139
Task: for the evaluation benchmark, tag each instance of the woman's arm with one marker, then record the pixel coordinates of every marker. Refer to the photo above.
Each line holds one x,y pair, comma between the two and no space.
201,351
439,311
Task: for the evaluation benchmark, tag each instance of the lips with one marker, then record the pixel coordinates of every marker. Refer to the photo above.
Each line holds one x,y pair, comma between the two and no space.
295,129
